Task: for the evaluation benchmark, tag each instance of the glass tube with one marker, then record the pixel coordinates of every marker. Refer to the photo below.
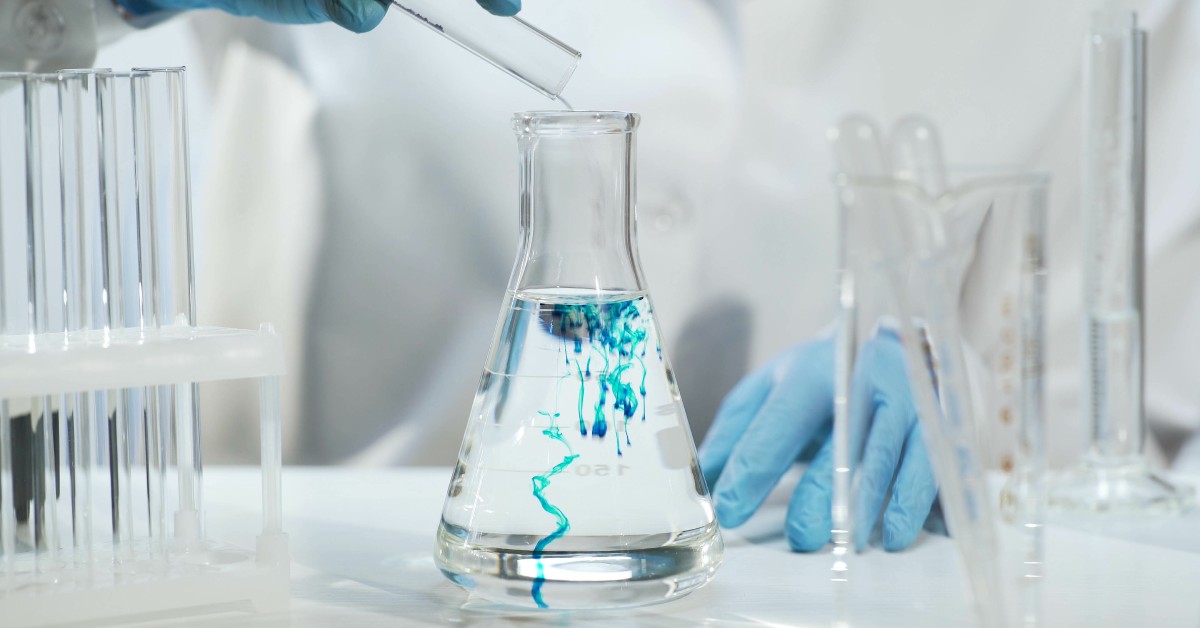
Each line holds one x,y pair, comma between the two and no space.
1112,213
509,43
117,241
160,95
13,300
161,100
1114,476
38,442
48,308
79,156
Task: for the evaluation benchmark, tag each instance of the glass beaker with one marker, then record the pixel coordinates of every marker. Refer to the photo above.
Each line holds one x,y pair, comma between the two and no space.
577,484
957,280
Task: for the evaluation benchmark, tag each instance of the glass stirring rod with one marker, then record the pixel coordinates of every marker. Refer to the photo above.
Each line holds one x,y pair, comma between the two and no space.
522,50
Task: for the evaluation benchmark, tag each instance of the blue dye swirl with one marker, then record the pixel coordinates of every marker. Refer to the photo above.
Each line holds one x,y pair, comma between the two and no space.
582,381
540,484
617,333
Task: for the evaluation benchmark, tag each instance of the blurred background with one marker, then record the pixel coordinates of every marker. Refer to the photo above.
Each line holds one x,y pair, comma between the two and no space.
360,191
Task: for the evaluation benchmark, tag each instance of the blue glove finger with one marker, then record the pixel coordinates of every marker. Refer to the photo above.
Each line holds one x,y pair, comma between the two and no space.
800,403
358,16
913,495
809,519
501,7
864,396
893,421
881,408
733,417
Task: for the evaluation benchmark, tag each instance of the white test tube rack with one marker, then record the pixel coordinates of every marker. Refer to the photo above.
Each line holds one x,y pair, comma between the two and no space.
101,492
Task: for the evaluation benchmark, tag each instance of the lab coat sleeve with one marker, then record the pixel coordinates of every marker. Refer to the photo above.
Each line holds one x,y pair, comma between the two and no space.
261,213
1172,338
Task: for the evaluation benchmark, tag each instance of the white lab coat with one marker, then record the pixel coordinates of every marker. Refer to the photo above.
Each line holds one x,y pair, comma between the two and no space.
360,191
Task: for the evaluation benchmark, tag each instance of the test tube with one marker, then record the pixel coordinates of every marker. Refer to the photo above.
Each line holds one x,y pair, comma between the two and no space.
1115,477
117,200
44,230
79,153
160,93
13,199
509,43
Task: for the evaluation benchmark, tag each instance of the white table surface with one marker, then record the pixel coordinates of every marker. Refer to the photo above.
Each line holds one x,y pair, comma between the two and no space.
362,541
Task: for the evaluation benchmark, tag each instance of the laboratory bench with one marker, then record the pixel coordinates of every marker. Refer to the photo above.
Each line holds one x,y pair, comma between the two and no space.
362,540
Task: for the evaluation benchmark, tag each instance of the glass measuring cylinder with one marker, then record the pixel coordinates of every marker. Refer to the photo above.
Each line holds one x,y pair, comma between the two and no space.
577,484
1115,476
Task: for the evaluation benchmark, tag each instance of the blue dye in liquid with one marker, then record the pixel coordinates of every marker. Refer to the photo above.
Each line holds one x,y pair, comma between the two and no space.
540,483
567,360
616,331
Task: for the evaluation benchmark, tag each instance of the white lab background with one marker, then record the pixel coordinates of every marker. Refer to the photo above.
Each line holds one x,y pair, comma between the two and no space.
360,191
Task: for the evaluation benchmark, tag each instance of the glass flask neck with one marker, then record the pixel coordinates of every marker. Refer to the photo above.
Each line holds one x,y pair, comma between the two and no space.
578,191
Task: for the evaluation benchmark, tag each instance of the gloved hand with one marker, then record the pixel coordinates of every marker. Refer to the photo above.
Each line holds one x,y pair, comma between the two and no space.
786,408
359,16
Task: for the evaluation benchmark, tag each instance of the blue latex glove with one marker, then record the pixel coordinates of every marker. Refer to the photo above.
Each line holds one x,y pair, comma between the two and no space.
359,16
786,408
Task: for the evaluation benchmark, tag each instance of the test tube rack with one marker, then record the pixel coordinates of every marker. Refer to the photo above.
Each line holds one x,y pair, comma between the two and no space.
101,481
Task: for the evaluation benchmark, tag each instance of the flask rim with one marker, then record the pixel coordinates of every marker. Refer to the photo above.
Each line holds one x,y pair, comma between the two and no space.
542,123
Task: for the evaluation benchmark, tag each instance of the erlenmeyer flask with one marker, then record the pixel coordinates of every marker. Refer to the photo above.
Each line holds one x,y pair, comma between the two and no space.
577,484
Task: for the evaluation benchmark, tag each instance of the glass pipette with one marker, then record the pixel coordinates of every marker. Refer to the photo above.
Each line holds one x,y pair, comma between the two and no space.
522,50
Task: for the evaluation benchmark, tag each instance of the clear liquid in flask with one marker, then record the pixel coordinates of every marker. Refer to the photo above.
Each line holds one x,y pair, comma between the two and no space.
577,484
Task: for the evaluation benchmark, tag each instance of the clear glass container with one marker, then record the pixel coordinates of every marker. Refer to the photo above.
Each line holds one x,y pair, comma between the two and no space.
943,299
577,484
510,43
1114,477
102,510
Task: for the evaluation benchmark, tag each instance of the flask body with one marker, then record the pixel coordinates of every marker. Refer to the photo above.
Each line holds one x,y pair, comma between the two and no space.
577,484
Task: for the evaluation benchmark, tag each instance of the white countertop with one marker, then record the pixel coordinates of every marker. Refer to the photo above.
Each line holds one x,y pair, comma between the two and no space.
362,540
